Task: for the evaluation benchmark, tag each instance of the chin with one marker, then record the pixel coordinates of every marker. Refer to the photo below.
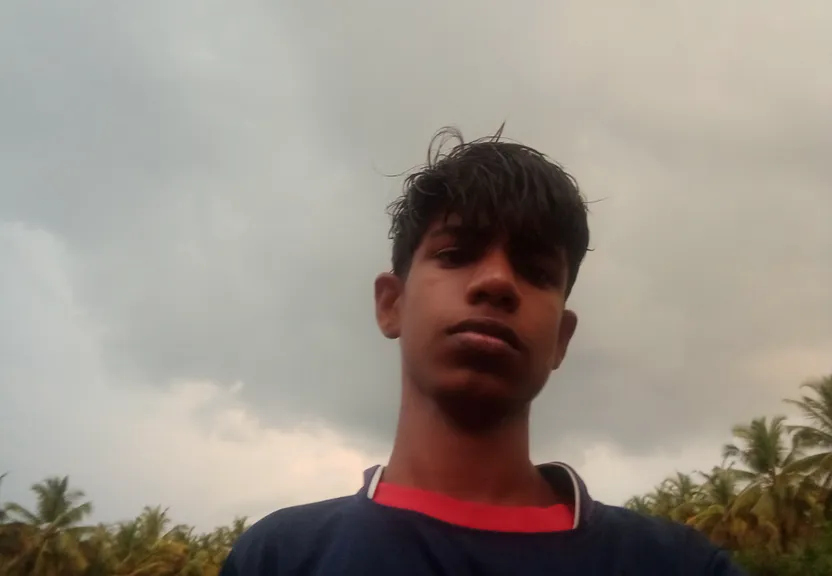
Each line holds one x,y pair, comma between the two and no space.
477,406
479,386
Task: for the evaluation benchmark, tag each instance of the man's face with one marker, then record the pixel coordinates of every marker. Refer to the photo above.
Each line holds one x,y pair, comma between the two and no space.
478,315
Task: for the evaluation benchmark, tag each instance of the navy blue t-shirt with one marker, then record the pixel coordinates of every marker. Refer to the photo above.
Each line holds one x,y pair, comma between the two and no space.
358,536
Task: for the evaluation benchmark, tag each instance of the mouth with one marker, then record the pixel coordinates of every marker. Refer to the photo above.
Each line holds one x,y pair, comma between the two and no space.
488,328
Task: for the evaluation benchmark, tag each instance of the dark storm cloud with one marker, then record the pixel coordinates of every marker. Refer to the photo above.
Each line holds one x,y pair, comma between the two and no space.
217,175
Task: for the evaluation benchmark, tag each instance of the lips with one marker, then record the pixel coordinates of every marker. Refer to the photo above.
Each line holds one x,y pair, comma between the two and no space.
488,327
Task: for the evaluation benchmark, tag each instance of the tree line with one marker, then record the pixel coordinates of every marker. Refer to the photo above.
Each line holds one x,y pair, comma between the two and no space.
769,502
52,539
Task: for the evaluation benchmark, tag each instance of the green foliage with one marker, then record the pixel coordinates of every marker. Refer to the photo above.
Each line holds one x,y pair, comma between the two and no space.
814,559
771,499
51,540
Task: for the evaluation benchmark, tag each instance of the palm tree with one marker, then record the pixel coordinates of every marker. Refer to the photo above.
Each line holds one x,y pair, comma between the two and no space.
674,499
153,523
816,435
662,501
715,496
54,524
48,540
238,526
640,504
146,547
684,494
99,550
780,502
3,513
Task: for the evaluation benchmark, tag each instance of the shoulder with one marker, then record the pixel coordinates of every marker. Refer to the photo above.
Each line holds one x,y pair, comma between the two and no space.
303,527
657,531
652,537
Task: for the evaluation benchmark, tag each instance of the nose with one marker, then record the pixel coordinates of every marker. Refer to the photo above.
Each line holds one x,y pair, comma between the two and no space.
494,283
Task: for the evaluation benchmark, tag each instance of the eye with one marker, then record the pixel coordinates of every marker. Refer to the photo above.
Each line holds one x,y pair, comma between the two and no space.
453,256
541,275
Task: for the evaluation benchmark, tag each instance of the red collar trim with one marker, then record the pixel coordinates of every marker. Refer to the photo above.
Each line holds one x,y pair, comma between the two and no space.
476,515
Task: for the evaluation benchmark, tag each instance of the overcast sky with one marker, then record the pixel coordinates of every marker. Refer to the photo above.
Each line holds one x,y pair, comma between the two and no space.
192,206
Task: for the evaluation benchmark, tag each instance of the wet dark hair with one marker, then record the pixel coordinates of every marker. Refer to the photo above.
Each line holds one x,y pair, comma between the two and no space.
511,187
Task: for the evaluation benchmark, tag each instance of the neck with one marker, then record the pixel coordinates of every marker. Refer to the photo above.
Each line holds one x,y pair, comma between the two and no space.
492,466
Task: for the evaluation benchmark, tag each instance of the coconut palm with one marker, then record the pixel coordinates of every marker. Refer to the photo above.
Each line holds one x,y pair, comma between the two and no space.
142,547
238,526
684,493
662,501
3,513
715,497
55,529
816,434
781,503
640,504
99,551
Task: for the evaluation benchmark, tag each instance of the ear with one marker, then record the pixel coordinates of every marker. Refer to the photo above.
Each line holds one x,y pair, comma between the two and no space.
568,324
388,292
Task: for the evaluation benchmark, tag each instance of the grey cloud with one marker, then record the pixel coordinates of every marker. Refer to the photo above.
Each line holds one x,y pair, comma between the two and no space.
217,176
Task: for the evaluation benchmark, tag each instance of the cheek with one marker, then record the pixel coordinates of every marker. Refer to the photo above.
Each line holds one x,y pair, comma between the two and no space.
424,298
416,313
547,332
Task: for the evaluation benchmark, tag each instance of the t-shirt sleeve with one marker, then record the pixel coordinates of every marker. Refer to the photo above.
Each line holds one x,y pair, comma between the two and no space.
722,565
229,567
706,559
254,554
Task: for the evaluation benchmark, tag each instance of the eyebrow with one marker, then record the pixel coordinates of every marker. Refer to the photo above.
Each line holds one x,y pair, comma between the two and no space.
447,230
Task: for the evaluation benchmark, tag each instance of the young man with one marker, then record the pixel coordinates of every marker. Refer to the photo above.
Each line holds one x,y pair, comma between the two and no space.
487,242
